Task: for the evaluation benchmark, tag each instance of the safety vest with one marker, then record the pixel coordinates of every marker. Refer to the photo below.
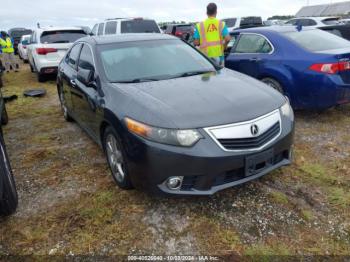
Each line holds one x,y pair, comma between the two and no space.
7,46
211,41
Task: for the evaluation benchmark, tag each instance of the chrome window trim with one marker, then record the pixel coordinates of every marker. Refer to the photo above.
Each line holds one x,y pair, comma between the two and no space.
209,130
244,33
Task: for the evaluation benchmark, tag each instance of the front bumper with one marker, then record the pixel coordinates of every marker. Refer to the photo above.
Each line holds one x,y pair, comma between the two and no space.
205,168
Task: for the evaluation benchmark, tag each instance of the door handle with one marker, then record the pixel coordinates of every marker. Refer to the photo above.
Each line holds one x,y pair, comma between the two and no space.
73,83
255,59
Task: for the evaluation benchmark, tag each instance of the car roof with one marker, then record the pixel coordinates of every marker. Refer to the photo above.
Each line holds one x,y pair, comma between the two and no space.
317,18
127,19
44,29
276,29
109,39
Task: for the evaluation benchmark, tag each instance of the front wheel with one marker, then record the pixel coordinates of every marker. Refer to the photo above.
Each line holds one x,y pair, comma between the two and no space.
117,161
274,84
8,192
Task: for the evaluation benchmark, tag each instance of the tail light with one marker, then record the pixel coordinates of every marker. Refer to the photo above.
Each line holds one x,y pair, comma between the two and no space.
331,68
178,33
45,51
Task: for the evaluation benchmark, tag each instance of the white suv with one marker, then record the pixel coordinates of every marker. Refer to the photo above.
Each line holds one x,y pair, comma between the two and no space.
125,25
48,46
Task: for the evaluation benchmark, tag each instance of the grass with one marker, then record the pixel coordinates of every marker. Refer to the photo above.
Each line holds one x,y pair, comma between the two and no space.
279,197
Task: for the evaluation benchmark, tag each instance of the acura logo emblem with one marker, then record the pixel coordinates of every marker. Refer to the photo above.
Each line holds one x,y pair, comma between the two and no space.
254,129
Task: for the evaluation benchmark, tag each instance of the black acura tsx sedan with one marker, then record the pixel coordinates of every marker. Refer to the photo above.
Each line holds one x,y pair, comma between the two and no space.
169,119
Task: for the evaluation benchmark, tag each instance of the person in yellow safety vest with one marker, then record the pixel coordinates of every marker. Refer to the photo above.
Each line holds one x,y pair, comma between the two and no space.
8,55
212,35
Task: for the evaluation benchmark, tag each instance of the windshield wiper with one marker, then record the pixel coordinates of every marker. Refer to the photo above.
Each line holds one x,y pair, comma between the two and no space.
193,73
137,80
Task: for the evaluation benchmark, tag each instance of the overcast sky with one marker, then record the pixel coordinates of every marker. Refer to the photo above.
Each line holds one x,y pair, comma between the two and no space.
26,13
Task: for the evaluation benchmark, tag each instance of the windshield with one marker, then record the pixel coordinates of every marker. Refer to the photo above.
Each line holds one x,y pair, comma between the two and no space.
61,36
156,60
317,40
230,22
139,26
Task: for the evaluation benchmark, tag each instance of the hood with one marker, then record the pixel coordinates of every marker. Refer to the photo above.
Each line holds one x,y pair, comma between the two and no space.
201,101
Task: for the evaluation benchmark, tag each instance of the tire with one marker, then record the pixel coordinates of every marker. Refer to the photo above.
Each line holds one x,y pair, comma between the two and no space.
273,83
1,83
8,197
41,77
116,158
4,117
31,68
64,108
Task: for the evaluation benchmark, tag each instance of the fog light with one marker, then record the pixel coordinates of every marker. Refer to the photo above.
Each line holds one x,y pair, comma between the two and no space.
174,183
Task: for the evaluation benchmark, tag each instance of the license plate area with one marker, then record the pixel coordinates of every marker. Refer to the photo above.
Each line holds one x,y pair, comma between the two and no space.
257,163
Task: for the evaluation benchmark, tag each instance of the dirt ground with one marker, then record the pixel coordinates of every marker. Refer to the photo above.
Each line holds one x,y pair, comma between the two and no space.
68,203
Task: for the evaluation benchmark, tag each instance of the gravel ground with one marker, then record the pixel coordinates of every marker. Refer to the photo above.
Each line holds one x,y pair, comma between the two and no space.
69,204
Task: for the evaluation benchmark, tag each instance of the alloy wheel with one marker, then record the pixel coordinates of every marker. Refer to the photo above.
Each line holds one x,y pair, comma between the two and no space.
115,158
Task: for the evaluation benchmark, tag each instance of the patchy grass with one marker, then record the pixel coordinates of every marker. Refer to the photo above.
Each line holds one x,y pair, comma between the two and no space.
70,204
279,197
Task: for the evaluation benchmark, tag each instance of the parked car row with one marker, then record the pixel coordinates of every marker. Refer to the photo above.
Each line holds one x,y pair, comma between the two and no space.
16,34
124,92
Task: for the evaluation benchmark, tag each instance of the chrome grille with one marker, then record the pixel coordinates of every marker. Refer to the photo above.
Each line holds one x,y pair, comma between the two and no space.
252,142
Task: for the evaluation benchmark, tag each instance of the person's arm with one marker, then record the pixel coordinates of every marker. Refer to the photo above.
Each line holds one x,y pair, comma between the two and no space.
226,36
196,37
3,43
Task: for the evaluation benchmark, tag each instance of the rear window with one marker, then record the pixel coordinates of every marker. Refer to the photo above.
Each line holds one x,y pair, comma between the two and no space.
251,21
139,26
61,36
331,21
184,28
317,40
19,33
230,22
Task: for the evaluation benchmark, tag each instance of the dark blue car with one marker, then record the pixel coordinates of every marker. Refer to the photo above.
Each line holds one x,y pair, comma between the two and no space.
310,66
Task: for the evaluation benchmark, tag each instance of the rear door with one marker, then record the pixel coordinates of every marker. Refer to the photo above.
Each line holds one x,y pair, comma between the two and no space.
249,54
59,41
69,76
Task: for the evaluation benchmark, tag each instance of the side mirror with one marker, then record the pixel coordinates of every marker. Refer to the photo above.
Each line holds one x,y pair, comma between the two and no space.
86,77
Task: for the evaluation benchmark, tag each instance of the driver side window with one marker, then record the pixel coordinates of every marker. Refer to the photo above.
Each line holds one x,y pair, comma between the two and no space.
253,44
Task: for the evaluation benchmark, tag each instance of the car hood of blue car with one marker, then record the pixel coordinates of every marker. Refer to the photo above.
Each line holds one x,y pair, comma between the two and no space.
204,100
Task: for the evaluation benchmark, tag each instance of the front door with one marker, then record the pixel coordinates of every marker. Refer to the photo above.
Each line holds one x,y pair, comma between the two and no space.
87,100
248,54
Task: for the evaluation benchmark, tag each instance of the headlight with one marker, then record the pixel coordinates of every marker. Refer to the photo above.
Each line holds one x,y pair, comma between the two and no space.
287,110
174,137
